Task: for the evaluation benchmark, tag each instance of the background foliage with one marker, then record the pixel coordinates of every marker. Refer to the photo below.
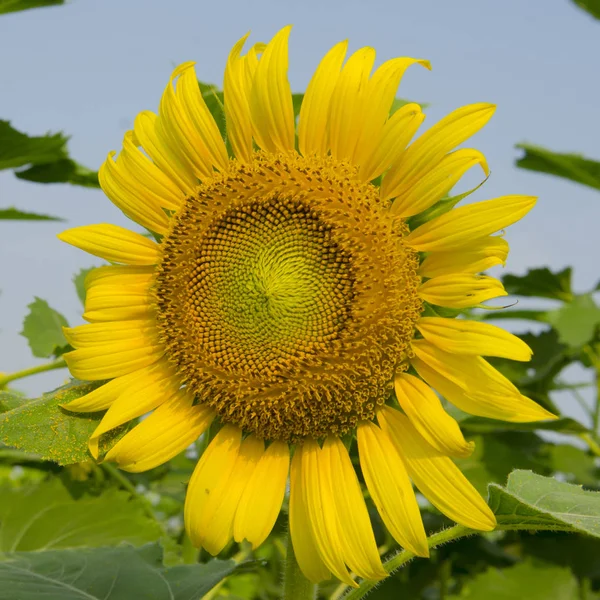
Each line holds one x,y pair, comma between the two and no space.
71,529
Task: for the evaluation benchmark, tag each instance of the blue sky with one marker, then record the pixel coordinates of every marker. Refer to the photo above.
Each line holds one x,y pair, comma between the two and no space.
88,68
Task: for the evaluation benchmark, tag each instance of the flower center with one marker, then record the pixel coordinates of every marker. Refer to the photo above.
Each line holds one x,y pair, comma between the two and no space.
286,297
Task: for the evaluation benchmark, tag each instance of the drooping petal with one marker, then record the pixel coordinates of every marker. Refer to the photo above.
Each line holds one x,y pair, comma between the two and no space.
213,527
157,387
271,107
113,243
459,336
437,477
314,112
316,478
427,151
436,184
462,225
347,104
358,541
395,136
428,416
169,430
390,488
462,290
262,497
482,254
496,403
303,539
378,98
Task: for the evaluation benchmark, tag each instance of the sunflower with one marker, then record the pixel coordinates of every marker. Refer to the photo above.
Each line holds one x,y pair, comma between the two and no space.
289,299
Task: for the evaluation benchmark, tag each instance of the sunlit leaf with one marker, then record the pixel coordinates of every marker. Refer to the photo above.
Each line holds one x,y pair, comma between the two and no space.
40,426
46,517
107,574
542,283
42,327
531,501
577,321
570,166
10,400
526,580
20,215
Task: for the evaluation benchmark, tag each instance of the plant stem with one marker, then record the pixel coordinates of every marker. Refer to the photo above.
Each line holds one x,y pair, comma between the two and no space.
126,484
295,585
403,557
591,442
57,364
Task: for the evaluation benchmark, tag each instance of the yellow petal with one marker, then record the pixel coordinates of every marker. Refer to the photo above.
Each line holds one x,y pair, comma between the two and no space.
157,387
216,464
436,184
314,112
132,198
169,430
427,151
428,416
303,539
478,256
358,541
390,488
97,334
107,303
261,500
113,243
148,133
237,83
119,275
462,225
497,403
316,478
378,98
119,358
473,338
271,105
437,477
347,104
214,524
462,290
395,136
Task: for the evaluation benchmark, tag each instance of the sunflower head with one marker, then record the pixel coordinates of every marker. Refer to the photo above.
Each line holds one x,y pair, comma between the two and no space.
288,302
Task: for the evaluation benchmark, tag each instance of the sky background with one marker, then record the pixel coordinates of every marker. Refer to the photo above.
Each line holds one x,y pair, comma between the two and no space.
89,67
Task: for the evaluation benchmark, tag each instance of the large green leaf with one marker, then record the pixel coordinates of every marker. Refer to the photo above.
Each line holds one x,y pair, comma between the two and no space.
531,501
11,400
42,327
576,322
7,6
61,171
107,574
541,283
20,215
570,166
47,517
42,427
527,580
590,6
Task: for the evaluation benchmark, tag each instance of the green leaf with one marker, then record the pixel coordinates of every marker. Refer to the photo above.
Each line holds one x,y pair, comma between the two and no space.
527,315
576,322
42,327
531,501
61,171
46,517
11,400
79,281
16,214
541,283
41,426
590,6
564,425
527,580
215,103
107,574
7,6
18,149
576,465
570,166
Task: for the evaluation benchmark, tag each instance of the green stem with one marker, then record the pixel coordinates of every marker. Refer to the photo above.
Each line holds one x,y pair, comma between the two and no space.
57,364
295,585
591,442
126,484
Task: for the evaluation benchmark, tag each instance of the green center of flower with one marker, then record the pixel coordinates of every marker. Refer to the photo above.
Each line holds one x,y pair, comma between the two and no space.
286,297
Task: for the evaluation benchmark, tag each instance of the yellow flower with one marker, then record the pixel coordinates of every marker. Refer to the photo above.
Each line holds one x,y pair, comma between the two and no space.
284,301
